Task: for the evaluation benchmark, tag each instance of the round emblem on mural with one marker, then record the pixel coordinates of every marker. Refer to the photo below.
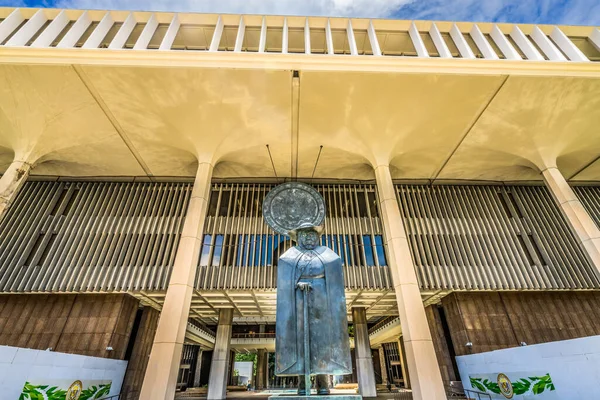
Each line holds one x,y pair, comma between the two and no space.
289,205
505,385
74,391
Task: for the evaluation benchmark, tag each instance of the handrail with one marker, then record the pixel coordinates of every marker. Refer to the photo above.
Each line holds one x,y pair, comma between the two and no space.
257,335
468,393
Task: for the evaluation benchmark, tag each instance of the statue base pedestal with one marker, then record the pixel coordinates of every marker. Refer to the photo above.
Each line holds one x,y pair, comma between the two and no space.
317,397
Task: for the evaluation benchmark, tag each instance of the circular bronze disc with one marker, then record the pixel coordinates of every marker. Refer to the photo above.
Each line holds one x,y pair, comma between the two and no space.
289,205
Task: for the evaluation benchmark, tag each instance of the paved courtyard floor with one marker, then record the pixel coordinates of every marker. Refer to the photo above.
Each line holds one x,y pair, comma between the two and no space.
265,395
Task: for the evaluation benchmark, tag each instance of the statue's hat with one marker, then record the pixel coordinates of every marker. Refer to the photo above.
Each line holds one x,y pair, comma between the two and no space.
293,234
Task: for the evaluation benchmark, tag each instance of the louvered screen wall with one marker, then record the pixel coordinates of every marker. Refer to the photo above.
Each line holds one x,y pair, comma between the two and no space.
240,251
491,237
100,236
91,236
590,198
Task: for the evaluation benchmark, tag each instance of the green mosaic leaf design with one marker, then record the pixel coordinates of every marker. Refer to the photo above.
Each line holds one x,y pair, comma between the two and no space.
45,392
535,384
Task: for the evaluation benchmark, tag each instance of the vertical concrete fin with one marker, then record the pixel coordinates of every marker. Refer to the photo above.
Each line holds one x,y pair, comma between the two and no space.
146,35
216,39
121,37
239,39
351,38
52,31
27,31
439,42
100,32
77,30
171,34
417,40
462,45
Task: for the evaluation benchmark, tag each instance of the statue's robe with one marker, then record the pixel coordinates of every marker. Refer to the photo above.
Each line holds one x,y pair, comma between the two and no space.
328,324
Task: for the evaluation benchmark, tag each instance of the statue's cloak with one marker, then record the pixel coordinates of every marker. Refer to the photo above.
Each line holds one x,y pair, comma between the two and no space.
328,326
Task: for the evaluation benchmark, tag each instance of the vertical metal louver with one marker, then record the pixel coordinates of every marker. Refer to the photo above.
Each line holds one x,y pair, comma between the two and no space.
240,251
491,237
91,236
590,199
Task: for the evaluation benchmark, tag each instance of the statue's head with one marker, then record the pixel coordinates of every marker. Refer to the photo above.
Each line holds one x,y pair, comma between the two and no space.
306,235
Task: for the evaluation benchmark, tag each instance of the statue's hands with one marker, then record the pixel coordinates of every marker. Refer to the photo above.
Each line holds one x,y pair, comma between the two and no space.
303,286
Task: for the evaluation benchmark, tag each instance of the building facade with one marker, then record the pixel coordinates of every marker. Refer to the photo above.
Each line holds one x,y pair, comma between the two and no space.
458,163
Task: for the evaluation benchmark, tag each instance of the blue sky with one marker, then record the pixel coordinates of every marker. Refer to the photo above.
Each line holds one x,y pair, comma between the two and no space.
566,12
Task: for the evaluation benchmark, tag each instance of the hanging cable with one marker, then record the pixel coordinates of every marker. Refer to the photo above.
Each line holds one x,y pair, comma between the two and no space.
316,162
272,164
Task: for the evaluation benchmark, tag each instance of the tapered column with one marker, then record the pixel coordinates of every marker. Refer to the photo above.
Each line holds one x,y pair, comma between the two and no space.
260,370
13,178
198,370
581,223
220,368
362,349
402,357
424,371
384,375
161,375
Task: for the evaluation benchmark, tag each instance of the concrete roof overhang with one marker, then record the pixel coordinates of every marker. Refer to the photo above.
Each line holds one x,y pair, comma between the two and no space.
107,113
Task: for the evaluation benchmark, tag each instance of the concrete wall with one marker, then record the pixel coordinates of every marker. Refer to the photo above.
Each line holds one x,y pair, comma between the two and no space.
573,367
83,324
497,320
18,365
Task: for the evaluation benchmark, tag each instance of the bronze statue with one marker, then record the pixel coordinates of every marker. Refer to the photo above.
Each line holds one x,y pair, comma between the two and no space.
311,324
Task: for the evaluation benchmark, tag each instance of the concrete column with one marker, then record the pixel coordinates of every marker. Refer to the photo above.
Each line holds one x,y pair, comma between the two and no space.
13,178
402,356
198,371
161,375
362,349
384,375
260,370
267,370
424,371
581,223
220,366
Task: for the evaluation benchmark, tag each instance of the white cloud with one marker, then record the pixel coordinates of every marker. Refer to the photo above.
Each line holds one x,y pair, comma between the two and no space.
354,8
568,12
